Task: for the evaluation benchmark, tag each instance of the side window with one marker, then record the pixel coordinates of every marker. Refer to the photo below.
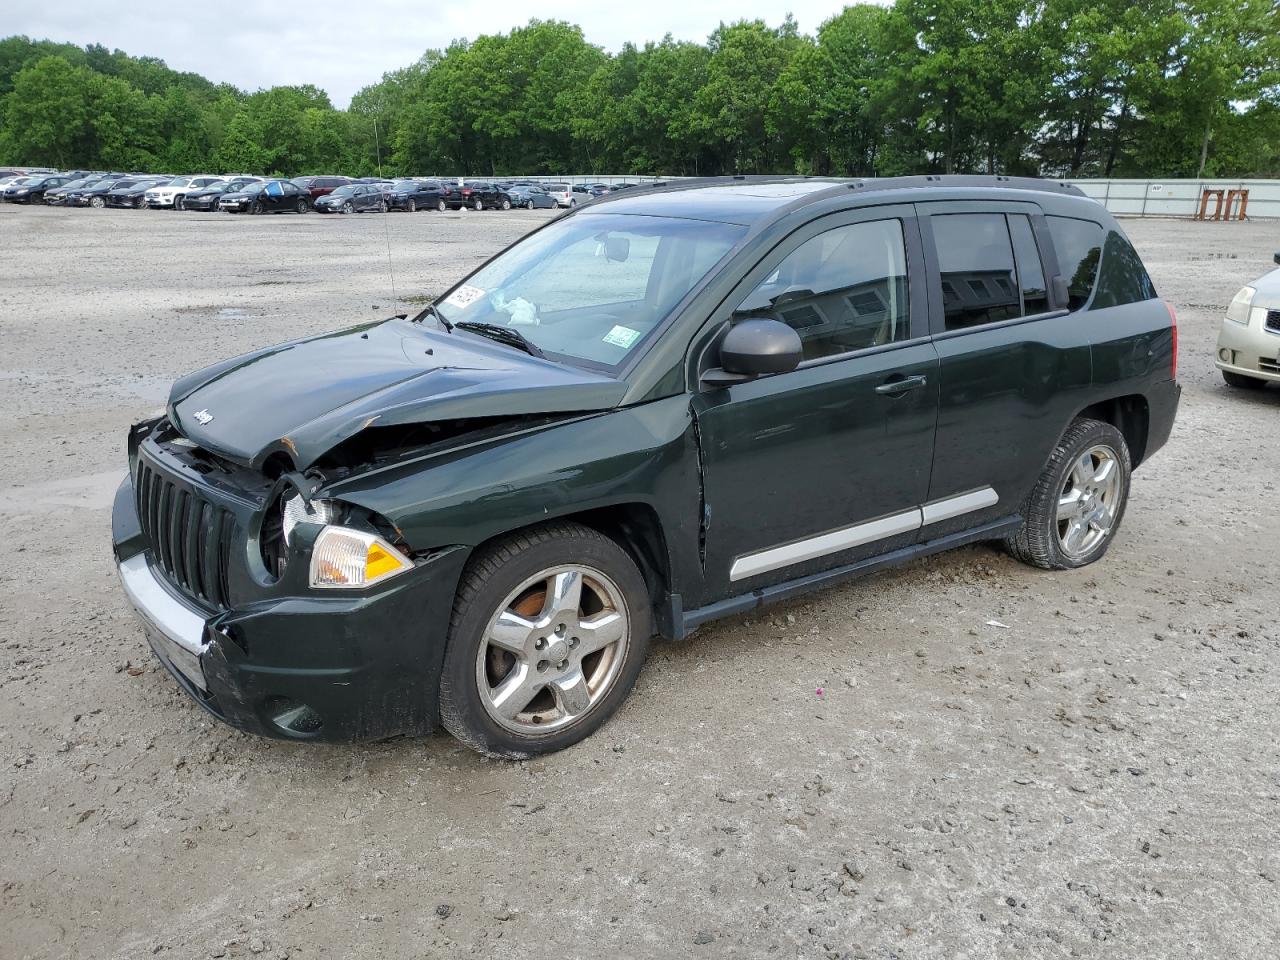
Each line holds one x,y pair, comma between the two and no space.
1035,294
975,260
1123,278
1079,247
842,290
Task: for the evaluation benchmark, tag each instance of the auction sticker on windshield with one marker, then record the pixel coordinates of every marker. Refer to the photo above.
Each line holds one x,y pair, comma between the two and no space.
464,296
621,336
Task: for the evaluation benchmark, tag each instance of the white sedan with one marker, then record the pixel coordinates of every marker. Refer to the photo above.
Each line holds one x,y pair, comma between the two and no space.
1249,340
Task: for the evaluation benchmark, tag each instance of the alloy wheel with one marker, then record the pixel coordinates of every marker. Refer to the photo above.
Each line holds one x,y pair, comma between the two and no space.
553,650
441,206
1089,501
413,205
348,207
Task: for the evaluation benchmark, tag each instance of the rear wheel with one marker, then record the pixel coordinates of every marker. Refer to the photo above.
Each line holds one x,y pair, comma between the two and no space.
412,205
441,206
1241,382
1077,504
478,205
301,206
506,204
549,630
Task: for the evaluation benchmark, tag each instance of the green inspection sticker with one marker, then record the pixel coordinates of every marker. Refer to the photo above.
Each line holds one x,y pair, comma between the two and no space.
621,336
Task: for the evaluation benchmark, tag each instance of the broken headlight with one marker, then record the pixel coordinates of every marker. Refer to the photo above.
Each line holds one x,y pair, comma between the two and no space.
296,511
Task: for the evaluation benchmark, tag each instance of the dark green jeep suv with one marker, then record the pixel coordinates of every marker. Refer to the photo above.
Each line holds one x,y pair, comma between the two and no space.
674,404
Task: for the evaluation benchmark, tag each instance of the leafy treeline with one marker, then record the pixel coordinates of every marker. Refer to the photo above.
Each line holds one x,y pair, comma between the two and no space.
1055,87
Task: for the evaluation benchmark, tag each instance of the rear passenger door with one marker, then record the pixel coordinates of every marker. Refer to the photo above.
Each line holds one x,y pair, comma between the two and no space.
1013,366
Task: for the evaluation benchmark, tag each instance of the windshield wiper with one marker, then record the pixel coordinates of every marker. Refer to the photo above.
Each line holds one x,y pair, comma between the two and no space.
508,335
431,310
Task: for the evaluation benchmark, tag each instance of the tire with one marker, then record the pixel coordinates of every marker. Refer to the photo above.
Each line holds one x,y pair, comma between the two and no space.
1240,381
179,202
478,206
139,203
382,206
529,205
1073,512
348,207
97,202
514,575
412,206
441,206
301,206
506,204
255,208
573,202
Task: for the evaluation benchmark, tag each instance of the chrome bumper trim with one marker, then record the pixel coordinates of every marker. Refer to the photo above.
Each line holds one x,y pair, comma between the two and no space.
176,631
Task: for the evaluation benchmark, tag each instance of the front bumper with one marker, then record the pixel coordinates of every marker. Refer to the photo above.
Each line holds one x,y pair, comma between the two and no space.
355,666
159,202
1253,349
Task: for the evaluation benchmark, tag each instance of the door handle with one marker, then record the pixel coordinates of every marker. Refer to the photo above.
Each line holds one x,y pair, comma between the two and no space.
902,385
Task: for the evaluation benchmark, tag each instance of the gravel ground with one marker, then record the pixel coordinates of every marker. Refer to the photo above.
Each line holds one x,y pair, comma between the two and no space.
874,771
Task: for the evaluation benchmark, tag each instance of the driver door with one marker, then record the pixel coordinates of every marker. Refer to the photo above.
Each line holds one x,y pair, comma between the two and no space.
827,464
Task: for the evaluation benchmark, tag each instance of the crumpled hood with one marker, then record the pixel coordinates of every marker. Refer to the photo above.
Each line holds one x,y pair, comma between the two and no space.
304,398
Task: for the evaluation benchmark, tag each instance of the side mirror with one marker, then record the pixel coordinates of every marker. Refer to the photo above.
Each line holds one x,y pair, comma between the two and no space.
755,348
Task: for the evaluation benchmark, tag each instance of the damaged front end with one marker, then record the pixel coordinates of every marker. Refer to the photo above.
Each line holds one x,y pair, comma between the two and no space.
280,607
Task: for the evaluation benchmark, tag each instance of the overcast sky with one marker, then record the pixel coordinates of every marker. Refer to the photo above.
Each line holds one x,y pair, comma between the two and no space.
343,46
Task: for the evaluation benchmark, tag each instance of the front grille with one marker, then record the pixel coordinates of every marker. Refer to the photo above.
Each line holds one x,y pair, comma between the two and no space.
1273,320
1267,365
190,536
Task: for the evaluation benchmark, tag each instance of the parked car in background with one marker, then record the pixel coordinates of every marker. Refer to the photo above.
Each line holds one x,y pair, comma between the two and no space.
531,198
322,186
353,198
95,195
206,198
131,193
269,196
477,195
32,189
57,196
171,195
560,193
414,195
1249,338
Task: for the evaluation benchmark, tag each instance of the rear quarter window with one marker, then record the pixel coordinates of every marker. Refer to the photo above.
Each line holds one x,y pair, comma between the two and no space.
1078,244
1123,278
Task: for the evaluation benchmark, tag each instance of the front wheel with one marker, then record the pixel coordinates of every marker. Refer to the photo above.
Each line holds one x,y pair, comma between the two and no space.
529,205
348,207
179,203
549,630
413,205
139,204
97,202
1077,504
441,206
478,206
506,204
255,208
1241,382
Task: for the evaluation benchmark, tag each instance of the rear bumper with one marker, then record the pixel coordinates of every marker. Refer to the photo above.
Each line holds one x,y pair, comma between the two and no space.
299,667
1162,408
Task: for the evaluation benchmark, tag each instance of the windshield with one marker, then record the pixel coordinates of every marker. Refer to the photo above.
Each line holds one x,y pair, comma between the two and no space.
179,182
343,192
591,288
77,184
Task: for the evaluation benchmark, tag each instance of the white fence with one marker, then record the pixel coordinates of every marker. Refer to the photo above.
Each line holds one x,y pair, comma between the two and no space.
1178,198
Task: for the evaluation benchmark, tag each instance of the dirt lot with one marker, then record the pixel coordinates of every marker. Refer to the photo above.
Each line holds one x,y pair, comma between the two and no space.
1098,778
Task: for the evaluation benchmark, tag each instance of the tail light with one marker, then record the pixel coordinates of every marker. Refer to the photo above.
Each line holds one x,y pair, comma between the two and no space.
1173,326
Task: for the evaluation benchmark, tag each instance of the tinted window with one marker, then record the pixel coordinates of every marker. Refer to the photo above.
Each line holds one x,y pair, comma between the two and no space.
842,290
1078,244
1035,294
975,259
1123,278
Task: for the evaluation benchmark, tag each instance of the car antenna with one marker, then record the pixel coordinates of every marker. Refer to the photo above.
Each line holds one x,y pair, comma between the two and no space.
386,229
